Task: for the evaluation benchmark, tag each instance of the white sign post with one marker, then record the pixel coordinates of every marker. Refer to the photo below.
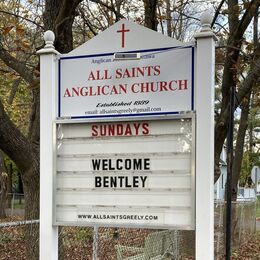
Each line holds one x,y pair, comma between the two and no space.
205,68
48,232
118,145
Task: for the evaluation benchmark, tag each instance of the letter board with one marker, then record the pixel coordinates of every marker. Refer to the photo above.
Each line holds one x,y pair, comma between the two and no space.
136,173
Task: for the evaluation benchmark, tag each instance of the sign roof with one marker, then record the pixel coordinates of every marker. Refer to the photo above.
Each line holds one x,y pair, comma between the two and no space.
125,36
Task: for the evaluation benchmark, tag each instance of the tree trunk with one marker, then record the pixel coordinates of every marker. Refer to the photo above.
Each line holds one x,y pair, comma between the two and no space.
3,193
3,186
20,188
150,17
169,18
240,146
26,156
32,213
230,77
9,184
31,196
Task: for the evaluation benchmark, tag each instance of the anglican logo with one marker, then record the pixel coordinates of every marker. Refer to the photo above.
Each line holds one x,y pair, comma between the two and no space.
123,31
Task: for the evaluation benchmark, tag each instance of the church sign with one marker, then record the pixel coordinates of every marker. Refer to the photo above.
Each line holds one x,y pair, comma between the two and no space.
127,131
116,172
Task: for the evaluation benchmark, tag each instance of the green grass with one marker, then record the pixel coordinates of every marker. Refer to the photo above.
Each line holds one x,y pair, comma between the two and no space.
5,238
17,204
258,212
258,207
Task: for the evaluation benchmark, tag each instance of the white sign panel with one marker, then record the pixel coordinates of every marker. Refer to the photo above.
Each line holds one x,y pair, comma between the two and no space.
160,82
137,173
255,174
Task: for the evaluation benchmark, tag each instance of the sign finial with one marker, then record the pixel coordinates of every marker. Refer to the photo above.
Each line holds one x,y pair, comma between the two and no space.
206,19
49,38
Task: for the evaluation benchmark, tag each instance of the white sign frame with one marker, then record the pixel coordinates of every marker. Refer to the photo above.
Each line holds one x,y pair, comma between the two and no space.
190,116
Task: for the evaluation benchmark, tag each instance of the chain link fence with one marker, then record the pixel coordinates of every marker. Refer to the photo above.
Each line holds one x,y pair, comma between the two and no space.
83,243
15,204
13,235
243,221
132,244
98,243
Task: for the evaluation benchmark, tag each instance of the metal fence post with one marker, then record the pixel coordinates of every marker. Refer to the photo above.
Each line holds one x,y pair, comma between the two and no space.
95,244
12,204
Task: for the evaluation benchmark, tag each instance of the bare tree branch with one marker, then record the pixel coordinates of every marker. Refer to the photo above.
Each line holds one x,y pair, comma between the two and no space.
15,85
150,17
13,142
87,22
247,17
217,13
16,65
24,18
109,7
230,73
250,80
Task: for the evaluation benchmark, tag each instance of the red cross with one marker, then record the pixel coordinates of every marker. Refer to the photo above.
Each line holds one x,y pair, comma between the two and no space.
123,31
